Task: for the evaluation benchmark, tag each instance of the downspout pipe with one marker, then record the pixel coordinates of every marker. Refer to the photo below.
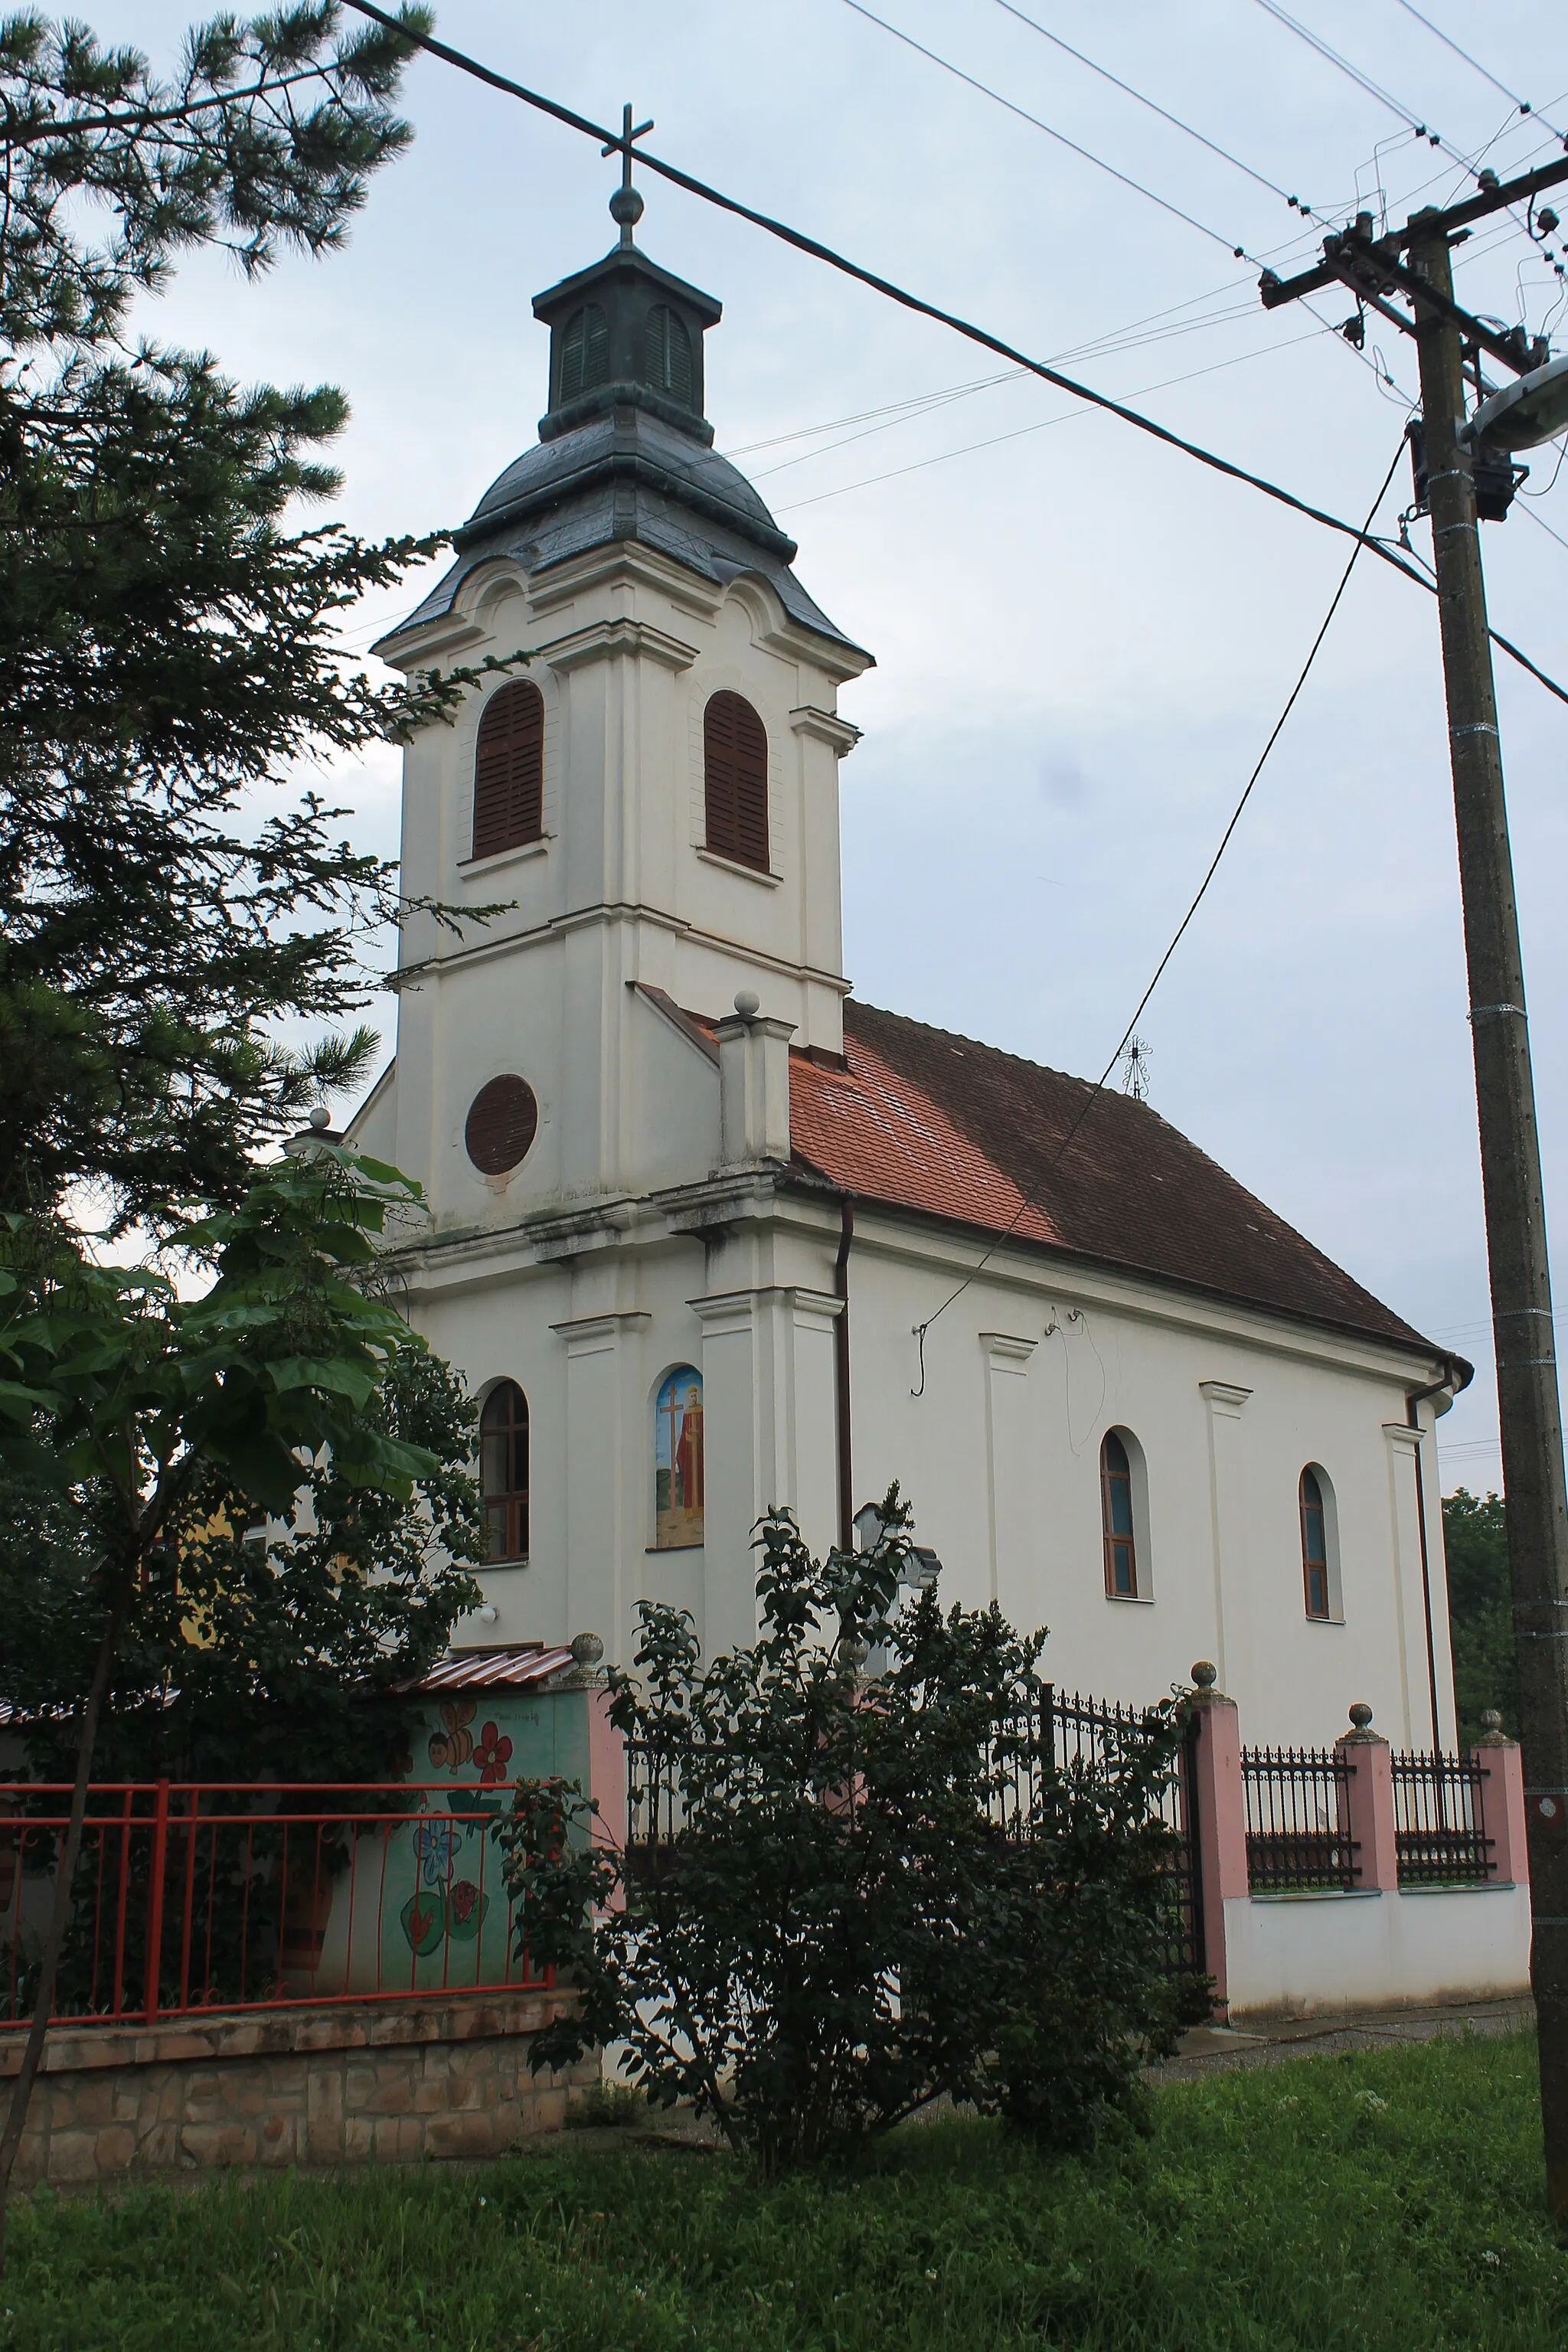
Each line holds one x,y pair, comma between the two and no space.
841,1383
1414,1400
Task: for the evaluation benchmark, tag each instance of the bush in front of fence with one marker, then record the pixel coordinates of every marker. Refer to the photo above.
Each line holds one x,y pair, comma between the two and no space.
848,1893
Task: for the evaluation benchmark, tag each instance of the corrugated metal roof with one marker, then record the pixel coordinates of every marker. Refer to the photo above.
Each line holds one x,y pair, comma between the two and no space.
511,1665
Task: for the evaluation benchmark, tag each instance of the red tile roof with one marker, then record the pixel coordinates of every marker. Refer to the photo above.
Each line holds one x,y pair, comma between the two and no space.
937,1124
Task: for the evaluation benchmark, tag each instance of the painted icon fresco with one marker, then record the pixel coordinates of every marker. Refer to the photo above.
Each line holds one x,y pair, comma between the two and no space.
677,1459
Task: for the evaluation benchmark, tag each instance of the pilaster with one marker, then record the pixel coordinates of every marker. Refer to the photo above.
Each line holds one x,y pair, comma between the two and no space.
1009,1485
1228,1520
598,1599
768,1437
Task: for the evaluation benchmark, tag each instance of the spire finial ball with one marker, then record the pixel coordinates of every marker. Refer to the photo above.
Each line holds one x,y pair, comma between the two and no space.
626,206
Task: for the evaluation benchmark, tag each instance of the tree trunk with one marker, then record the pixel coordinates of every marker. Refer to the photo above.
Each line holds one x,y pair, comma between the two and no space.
59,1918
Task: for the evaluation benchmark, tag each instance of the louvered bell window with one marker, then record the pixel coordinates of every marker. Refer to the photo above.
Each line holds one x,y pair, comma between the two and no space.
508,770
666,354
584,351
735,777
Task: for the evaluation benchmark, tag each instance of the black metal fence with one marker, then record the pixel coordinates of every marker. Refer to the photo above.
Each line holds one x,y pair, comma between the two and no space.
1297,1821
1059,1734
1098,1733
1440,1833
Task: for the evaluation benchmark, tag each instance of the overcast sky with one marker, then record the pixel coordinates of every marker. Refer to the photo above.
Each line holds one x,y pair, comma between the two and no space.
1082,639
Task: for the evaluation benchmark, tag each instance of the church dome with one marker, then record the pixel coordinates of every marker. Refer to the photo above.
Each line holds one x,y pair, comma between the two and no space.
625,452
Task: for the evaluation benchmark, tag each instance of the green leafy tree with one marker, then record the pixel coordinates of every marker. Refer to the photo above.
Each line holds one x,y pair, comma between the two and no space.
1481,1612
879,1891
261,1648
169,636
131,1415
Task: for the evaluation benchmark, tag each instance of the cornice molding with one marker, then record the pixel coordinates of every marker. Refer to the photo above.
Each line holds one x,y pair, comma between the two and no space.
601,640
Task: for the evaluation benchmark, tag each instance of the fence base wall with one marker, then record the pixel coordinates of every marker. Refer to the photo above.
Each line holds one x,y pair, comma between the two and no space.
389,2082
1326,1955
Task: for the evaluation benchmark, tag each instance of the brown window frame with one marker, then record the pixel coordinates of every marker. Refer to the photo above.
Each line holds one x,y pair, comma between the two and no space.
1118,1542
735,782
1315,1565
508,770
505,1501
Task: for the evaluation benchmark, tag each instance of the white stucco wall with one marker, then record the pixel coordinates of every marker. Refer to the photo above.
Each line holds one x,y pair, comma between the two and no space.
1311,1955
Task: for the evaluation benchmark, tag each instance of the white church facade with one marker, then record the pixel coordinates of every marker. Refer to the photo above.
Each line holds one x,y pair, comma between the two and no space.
689,1199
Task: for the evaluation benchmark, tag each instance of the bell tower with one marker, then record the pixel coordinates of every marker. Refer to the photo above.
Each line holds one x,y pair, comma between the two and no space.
643,820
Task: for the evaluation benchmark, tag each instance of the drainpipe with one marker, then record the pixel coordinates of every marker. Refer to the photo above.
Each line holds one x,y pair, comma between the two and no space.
841,1364
1414,1400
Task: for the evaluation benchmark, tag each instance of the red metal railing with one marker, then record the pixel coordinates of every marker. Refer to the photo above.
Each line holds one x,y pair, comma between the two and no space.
197,1895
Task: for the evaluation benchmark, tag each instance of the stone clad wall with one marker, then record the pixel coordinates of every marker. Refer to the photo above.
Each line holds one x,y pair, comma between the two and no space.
342,2083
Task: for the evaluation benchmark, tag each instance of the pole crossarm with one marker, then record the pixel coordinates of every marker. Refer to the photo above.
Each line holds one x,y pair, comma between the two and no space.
1371,272
1418,230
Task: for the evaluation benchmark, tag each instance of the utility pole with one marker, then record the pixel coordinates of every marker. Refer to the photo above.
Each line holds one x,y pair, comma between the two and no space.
1416,266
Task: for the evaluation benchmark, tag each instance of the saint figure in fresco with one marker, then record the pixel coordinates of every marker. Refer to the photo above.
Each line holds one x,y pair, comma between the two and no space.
677,1459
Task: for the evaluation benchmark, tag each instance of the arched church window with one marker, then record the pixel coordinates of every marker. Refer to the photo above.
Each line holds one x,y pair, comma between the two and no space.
508,770
735,780
503,1471
677,1474
1116,1518
1315,1574
667,354
584,351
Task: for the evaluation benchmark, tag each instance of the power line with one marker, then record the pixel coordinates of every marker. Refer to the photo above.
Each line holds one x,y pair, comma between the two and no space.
1363,81
801,243
1061,138
1028,1202
1041,424
1475,66
911,412
1114,339
1166,116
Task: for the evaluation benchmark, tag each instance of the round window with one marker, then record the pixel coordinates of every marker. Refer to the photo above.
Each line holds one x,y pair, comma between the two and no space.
502,1121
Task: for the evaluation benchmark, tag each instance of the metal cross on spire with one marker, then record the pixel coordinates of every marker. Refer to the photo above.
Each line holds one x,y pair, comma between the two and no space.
626,204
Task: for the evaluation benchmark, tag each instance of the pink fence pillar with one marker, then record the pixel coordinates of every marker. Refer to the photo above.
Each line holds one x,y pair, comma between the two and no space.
1502,1803
1370,1802
607,1780
1218,1821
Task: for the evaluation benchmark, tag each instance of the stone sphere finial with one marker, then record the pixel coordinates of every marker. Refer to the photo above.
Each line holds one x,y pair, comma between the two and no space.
1205,1674
587,1649
626,208
748,1003
320,1117
1361,1714
1491,1720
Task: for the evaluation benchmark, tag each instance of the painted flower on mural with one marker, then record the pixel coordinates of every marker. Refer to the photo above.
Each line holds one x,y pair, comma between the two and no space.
465,1909
492,1754
435,1844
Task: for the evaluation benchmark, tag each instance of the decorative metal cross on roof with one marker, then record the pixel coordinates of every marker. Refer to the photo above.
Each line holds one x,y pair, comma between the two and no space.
626,204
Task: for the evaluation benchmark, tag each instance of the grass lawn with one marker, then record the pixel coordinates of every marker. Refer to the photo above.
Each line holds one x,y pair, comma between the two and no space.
1390,2200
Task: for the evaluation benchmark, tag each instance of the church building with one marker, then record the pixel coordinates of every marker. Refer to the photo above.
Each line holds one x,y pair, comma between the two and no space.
690,1199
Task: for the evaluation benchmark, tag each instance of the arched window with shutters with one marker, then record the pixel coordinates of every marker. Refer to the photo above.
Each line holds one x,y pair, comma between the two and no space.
735,780
1116,1519
666,354
1320,1562
508,770
584,351
503,1471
